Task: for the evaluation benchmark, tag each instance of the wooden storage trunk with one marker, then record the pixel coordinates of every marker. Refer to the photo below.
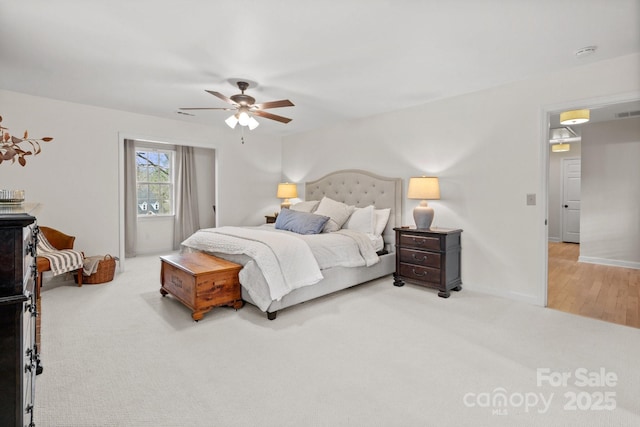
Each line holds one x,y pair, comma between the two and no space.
200,281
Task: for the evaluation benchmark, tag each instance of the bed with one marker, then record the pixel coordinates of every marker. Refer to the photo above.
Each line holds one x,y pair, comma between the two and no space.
352,187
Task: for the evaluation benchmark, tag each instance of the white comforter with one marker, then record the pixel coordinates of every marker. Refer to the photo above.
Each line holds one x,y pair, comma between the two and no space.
284,260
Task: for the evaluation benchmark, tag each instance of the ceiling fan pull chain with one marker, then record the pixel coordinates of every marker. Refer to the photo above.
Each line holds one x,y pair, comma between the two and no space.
242,135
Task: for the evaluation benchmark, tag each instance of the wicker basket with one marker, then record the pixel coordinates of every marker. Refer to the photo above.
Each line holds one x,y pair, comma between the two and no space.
105,272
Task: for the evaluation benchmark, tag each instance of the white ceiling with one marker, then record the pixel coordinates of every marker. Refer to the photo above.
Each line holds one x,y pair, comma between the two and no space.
335,59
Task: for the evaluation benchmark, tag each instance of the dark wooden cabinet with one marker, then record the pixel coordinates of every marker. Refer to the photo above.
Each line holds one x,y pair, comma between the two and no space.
429,258
19,357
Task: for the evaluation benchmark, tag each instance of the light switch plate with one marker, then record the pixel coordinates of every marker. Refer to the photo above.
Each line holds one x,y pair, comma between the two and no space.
531,199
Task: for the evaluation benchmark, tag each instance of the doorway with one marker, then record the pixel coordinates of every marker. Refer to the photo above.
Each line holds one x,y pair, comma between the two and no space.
570,200
585,285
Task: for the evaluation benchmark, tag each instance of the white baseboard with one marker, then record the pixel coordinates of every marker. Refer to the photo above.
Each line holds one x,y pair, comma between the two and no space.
517,296
554,239
610,262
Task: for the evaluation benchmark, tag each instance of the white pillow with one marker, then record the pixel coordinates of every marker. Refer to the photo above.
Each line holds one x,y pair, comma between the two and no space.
361,219
308,206
337,212
381,219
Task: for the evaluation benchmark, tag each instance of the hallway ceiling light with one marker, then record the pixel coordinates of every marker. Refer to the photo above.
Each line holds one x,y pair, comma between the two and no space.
559,148
574,117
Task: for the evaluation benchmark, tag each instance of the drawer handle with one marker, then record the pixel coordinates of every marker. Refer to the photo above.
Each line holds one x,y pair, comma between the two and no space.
424,258
424,273
418,241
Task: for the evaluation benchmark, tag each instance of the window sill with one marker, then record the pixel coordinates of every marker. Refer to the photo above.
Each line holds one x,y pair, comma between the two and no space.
154,217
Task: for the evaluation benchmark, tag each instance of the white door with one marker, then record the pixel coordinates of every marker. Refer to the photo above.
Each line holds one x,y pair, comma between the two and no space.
571,200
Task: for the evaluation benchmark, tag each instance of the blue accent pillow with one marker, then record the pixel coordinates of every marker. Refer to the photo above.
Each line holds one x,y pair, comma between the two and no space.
300,222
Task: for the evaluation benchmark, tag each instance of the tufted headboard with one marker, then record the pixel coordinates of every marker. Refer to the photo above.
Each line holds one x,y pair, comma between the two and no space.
361,188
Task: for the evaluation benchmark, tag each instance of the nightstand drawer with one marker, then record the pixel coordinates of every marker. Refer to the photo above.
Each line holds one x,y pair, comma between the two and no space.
419,242
421,274
422,258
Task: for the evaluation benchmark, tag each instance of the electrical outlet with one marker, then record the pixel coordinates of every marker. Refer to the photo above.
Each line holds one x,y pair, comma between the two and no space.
531,199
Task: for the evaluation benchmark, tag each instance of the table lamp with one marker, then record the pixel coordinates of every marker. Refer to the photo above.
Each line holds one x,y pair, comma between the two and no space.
287,191
423,188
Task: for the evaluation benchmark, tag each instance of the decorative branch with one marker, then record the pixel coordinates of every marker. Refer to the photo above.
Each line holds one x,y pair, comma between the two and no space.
10,147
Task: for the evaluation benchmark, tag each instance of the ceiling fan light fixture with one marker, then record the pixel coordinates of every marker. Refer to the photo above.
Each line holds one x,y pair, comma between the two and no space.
243,117
253,123
245,107
574,117
232,121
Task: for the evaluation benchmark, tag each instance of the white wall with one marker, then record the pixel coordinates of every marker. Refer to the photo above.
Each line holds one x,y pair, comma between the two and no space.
488,148
76,177
610,214
555,189
155,235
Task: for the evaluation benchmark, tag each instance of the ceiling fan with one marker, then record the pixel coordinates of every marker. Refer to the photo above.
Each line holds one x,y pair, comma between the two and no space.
246,107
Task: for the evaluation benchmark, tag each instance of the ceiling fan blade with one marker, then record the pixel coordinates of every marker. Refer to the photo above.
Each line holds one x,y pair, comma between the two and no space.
206,108
221,96
274,104
271,116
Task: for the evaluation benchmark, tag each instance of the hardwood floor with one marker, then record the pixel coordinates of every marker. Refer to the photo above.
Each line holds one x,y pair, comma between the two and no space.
598,291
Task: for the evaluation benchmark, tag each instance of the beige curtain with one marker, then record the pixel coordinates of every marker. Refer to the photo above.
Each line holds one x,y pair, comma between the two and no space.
130,200
187,220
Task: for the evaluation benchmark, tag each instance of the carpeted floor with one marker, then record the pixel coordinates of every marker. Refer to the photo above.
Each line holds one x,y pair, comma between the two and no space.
119,354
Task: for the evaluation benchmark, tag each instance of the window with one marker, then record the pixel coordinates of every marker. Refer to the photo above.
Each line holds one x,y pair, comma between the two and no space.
154,181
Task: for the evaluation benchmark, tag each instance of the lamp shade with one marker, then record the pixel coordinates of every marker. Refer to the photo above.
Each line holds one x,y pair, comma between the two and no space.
243,117
232,121
574,117
253,123
559,148
424,188
287,190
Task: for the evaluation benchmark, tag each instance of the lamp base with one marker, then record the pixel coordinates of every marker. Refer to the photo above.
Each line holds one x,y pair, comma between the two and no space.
423,215
286,204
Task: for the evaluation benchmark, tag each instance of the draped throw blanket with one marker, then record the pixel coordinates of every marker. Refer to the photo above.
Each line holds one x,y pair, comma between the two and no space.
287,262
91,264
61,261
364,246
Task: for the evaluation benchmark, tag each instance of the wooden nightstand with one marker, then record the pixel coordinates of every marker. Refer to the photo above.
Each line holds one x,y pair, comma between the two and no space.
270,219
428,258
